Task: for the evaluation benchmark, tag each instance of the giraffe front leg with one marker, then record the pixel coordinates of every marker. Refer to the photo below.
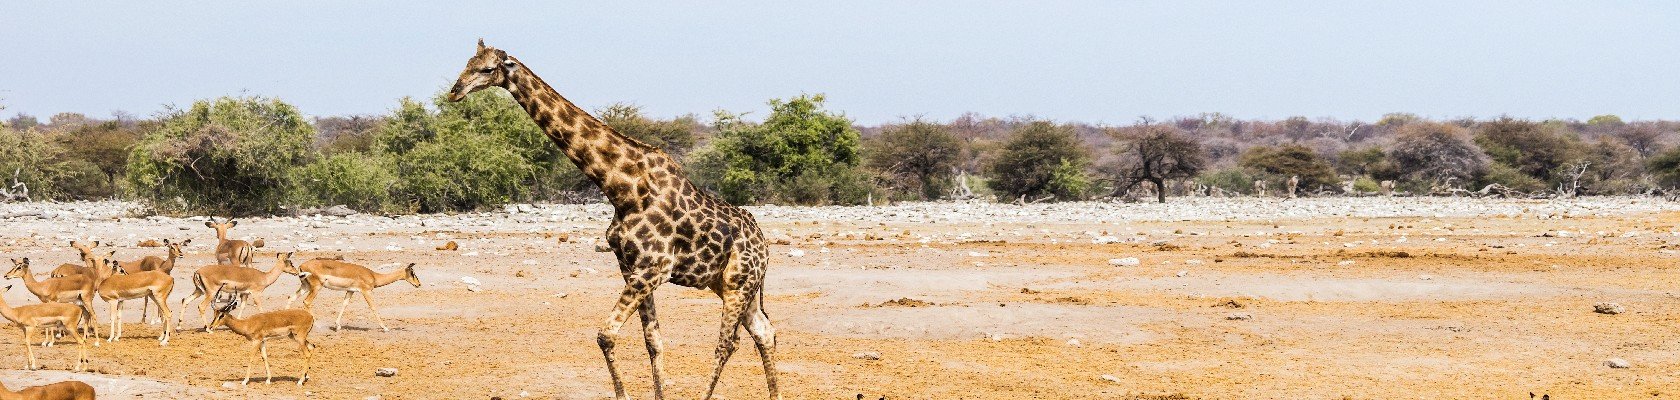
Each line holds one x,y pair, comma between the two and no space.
628,301
655,346
734,308
764,337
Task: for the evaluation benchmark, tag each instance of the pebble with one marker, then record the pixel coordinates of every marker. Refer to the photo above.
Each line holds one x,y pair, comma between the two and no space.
867,355
385,372
1617,363
1111,378
1239,317
796,253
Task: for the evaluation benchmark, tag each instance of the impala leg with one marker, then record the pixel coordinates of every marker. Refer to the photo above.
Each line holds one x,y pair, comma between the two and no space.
81,350
764,337
269,372
145,305
628,301
115,306
338,324
29,337
308,356
655,346
369,299
734,307
163,311
256,349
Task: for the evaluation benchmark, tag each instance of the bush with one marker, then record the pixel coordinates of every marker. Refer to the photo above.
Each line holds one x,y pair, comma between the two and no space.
463,171
1436,152
1280,163
27,157
1666,167
1040,158
1156,153
919,157
229,156
675,136
1512,178
362,181
800,154
1228,180
1536,150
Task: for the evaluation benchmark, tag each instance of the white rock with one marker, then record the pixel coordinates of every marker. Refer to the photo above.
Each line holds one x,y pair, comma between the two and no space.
1074,343
1608,308
529,262
1617,363
1128,261
1181,274
1111,378
796,253
977,254
867,355
385,372
1239,317
1344,263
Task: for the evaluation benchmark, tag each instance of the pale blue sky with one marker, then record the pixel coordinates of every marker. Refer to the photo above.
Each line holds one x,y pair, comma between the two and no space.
1105,61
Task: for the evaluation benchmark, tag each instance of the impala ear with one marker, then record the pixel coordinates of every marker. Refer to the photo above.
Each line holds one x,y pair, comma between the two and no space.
184,242
209,224
232,223
166,242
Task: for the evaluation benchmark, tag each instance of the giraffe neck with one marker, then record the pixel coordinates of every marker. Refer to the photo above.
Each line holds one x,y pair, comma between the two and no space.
610,160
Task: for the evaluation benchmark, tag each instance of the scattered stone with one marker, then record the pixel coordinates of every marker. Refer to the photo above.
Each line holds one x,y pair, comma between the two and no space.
1239,317
796,253
1111,378
385,372
563,238
1344,263
1181,274
1608,308
472,283
1075,343
1127,262
867,355
338,211
603,248
1617,363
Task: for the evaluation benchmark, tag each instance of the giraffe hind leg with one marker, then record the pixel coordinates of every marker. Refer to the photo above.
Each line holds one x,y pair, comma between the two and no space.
734,308
655,346
764,337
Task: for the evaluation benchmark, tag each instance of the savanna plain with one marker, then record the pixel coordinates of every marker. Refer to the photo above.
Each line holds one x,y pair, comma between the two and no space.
1215,298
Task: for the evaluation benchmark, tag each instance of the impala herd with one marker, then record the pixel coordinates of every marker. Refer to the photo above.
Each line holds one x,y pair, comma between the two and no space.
67,299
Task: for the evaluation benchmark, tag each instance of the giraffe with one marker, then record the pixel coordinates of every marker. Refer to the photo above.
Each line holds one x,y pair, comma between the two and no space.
664,229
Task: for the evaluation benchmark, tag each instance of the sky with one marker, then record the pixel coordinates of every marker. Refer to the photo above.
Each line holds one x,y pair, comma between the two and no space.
876,61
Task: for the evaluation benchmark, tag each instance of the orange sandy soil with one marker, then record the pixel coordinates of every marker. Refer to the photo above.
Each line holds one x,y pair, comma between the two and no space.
1495,310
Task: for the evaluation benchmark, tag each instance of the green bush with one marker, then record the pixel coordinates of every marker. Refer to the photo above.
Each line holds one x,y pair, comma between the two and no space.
1512,178
1366,184
226,156
361,181
28,157
1229,180
1040,158
463,171
800,154
918,157
675,136
1280,163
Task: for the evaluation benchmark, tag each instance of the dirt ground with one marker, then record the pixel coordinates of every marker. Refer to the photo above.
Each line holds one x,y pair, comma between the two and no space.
1489,299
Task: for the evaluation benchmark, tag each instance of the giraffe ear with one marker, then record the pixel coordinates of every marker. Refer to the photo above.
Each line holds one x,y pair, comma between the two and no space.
481,43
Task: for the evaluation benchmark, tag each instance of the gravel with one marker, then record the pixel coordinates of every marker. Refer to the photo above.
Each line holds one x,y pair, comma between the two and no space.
1608,308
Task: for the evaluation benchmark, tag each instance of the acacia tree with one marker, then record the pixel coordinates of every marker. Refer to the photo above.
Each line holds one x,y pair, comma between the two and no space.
920,156
1155,153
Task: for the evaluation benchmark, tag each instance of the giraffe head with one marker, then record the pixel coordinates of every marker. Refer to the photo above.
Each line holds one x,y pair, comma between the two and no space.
488,67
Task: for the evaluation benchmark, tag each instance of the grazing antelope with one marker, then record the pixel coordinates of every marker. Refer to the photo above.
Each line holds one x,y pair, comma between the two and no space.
36,316
154,284
236,252
349,278
69,289
290,323
66,390
87,265
155,263
241,281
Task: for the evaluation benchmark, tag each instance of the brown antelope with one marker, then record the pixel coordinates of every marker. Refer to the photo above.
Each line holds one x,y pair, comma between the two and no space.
236,252
66,390
88,263
36,316
153,284
69,289
290,323
155,263
349,278
241,281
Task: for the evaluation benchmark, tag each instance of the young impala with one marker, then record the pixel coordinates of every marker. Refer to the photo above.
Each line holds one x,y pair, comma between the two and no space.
153,284
291,323
50,315
349,278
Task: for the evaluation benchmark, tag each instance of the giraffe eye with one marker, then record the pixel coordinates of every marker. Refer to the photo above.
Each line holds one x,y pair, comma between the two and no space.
486,69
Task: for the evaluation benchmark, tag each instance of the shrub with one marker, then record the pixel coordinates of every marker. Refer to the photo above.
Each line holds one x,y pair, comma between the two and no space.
1033,157
674,136
1282,162
462,171
231,156
1666,167
1535,149
919,157
1436,152
1228,180
1512,178
808,152
362,181
27,157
